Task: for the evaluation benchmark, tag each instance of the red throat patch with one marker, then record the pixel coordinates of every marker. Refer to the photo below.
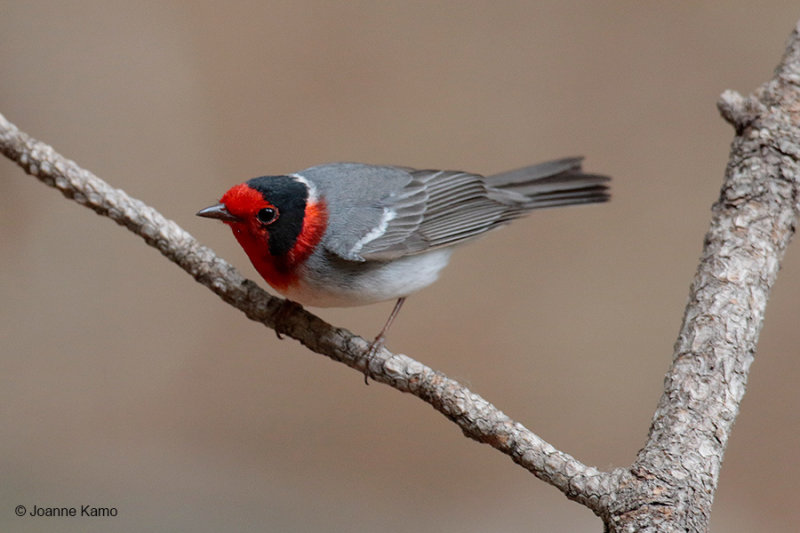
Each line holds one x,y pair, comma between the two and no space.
281,272
314,224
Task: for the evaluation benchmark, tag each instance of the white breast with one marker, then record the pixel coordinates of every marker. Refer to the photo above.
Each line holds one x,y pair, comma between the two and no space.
346,284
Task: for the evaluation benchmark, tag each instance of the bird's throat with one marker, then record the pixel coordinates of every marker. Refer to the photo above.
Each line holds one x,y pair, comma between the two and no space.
282,271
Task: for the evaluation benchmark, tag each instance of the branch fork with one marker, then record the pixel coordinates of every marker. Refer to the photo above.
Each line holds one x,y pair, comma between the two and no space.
671,484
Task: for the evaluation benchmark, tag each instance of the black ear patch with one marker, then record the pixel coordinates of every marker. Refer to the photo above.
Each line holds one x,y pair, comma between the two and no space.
289,198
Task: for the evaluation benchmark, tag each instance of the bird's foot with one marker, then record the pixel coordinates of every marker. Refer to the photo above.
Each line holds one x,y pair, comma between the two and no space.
373,349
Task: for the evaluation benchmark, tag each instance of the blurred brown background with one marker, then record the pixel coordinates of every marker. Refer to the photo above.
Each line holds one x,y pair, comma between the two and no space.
124,383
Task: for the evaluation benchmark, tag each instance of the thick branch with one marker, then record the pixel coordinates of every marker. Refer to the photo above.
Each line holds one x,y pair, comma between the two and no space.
753,221
476,417
671,485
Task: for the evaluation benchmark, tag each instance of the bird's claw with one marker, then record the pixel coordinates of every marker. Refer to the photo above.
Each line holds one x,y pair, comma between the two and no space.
374,347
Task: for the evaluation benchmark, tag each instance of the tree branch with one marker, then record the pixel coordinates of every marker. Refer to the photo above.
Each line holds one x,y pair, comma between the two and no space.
672,482
476,417
675,475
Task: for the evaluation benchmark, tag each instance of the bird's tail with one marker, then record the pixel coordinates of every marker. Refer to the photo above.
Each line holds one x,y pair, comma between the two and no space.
554,183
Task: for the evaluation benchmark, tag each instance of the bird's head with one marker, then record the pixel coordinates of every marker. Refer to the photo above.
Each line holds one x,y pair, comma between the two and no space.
278,220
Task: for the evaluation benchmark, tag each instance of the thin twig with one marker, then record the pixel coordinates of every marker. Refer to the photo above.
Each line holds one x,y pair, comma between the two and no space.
671,485
476,417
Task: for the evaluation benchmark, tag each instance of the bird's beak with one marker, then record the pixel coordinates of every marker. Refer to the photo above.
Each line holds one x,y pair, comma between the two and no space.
219,212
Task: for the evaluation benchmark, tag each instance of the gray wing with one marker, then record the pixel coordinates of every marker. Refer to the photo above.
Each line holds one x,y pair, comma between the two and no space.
366,203
441,208
388,212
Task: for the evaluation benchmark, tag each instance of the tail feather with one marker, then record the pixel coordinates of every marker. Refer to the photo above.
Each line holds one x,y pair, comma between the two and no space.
554,183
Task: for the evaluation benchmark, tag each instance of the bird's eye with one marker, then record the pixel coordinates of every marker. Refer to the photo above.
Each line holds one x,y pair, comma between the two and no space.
267,215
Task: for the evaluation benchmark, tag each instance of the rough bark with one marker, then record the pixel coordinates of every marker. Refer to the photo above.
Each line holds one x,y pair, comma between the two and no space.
671,484
476,417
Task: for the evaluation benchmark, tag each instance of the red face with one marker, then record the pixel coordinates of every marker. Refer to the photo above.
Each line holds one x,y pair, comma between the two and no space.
252,215
275,223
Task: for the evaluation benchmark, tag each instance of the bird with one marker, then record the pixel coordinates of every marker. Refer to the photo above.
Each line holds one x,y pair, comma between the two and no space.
350,234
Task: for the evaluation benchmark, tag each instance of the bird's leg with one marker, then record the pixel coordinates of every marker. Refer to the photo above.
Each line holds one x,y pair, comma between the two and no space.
286,308
377,343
